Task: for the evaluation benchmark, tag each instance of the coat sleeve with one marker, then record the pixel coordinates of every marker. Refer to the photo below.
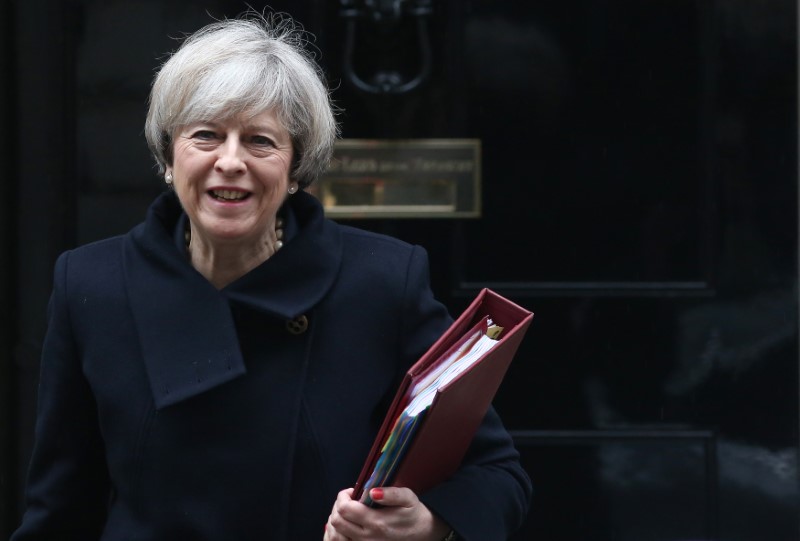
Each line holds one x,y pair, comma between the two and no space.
67,486
488,497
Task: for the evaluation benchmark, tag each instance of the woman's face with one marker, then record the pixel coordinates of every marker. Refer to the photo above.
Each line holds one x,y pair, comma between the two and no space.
232,176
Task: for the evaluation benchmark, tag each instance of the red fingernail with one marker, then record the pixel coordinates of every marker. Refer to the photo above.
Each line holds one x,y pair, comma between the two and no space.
376,494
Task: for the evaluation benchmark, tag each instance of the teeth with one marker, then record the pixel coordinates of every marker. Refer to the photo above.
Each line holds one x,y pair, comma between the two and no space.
229,195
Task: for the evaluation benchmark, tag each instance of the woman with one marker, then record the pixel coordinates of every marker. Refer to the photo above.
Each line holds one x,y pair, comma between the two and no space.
221,371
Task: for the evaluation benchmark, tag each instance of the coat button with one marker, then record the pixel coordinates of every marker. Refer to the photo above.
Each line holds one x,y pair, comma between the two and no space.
298,325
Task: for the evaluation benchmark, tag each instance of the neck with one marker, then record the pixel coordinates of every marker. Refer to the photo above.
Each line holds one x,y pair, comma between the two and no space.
224,263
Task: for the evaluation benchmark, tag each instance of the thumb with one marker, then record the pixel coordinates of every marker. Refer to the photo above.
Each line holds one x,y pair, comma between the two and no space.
393,496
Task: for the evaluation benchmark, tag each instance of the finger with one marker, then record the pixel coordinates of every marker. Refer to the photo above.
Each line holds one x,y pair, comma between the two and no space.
331,533
340,529
394,496
347,518
342,499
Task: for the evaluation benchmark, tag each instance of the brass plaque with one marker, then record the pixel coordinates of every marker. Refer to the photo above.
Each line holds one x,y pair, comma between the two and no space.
408,178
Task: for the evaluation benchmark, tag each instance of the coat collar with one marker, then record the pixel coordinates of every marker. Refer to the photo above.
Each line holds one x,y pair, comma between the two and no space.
185,326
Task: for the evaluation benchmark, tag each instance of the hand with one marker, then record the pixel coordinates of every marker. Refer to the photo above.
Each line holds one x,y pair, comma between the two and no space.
401,517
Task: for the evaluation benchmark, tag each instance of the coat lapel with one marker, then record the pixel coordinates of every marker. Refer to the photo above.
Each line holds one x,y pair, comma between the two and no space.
296,278
186,330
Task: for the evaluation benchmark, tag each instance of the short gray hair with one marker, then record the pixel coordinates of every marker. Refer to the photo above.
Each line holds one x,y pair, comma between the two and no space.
246,65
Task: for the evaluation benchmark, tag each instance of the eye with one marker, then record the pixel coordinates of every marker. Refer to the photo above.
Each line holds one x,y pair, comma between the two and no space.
204,135
261,140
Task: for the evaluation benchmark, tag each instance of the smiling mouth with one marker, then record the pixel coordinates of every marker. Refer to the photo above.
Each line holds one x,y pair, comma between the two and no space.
228,195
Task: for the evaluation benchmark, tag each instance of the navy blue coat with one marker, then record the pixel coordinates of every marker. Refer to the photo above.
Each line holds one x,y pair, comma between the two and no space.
170,410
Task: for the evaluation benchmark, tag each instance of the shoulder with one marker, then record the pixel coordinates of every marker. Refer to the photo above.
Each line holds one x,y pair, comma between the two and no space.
95,255
90,267
356,235
374,256
376,246
396,273
88,279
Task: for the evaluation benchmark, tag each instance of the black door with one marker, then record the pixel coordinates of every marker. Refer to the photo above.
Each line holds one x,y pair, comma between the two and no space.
639,194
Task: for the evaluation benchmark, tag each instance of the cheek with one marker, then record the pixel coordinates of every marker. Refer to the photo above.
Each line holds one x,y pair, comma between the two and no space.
277,178
188,188
188,176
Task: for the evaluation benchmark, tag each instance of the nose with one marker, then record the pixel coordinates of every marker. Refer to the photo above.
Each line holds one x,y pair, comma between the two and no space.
230,159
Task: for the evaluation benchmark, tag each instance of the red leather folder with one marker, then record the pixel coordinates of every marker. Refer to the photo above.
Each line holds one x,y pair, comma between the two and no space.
441,441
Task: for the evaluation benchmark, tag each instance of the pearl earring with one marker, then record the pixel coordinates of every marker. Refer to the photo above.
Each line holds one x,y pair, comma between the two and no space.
292,189
168,177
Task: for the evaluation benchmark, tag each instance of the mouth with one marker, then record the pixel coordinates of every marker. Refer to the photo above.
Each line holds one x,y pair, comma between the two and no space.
229,195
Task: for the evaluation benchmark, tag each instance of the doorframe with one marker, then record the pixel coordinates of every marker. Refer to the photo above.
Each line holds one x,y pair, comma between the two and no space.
41,38
8,147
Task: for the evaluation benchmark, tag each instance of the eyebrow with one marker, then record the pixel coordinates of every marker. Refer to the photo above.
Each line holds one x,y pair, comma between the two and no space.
276,131
260,127
247,127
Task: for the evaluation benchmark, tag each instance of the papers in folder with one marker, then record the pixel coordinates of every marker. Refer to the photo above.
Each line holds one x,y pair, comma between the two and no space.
462,356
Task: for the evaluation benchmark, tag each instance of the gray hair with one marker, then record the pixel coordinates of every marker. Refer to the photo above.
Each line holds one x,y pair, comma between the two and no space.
246,65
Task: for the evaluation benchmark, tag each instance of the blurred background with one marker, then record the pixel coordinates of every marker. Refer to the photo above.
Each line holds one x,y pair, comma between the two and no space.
638,192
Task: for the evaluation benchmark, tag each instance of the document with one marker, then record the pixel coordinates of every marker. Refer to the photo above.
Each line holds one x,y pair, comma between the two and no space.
444,397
